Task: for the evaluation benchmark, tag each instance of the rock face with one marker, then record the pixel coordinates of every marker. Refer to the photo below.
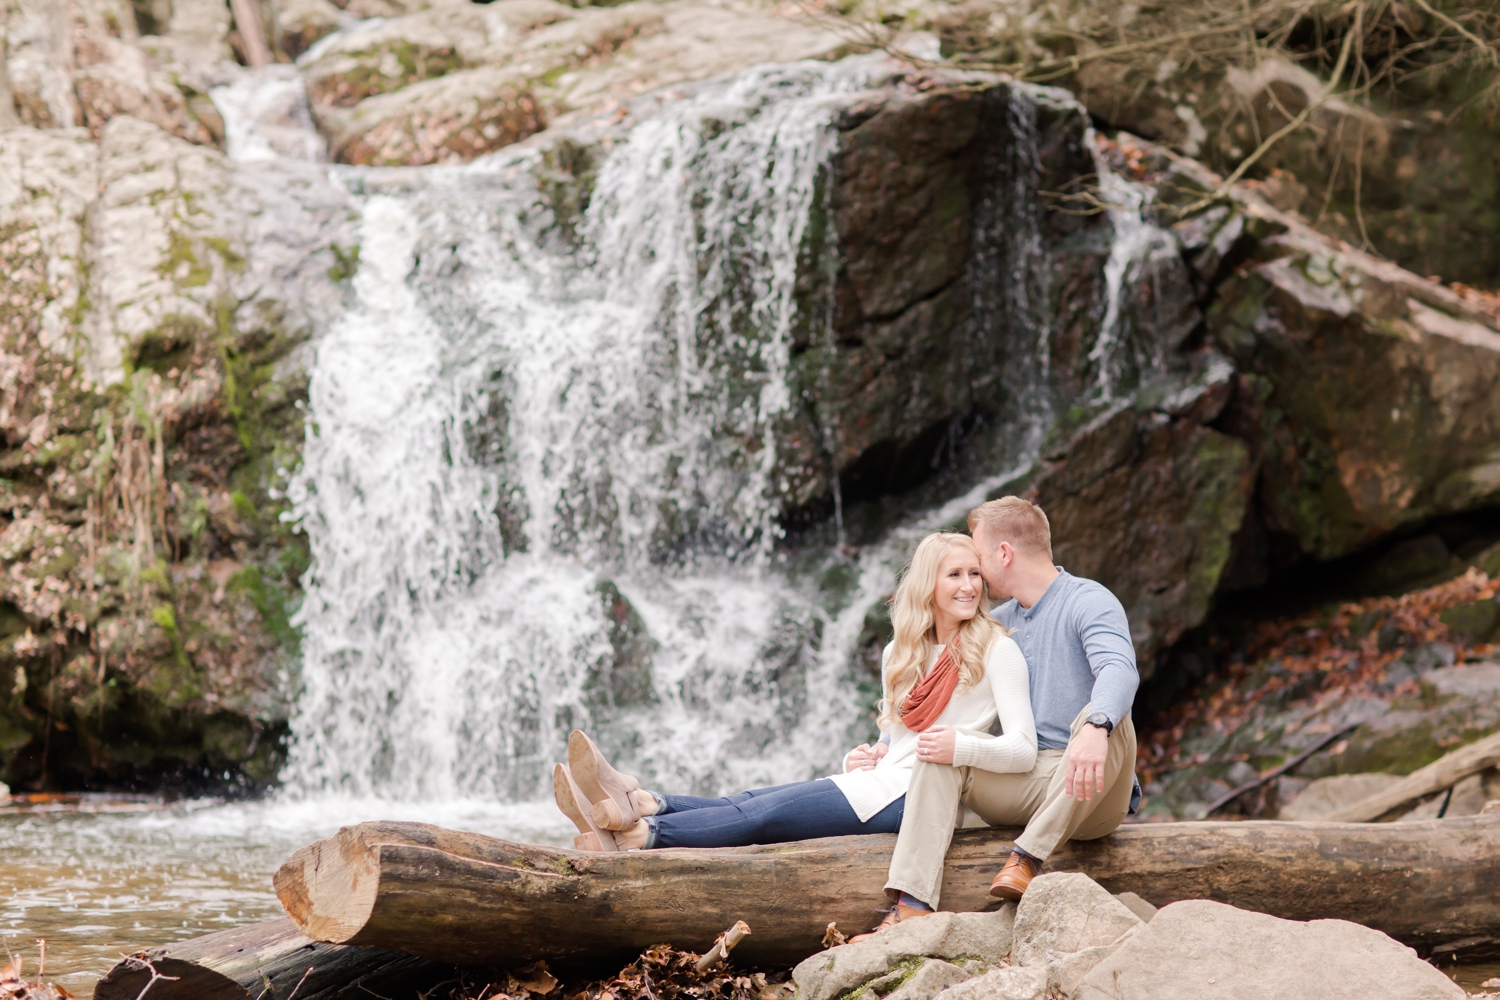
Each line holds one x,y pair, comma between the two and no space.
152,291
1065,925
457,80
1199,948
1200,398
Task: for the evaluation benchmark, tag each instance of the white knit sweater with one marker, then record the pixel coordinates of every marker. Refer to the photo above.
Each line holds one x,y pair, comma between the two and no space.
1003,694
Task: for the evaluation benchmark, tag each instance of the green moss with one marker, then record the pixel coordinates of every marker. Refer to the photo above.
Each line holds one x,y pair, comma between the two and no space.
179,253
275,604
345,262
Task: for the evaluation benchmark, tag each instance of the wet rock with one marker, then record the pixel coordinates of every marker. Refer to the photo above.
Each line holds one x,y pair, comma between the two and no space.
301,23
1197,948
951,936
1150,506
1309,318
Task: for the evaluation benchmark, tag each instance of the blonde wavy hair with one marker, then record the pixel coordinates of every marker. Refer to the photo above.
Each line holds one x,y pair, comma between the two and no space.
916,633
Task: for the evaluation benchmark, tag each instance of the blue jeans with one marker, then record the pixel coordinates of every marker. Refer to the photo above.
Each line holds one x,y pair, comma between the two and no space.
803,810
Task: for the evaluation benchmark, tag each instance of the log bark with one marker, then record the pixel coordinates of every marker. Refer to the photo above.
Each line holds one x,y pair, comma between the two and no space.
268,960
469,899
1442,773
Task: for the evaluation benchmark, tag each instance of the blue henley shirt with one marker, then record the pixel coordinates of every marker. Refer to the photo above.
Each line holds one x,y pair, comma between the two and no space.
1078,651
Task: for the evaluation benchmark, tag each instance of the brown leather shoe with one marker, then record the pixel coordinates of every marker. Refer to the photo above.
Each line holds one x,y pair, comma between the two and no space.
897,914
1017,874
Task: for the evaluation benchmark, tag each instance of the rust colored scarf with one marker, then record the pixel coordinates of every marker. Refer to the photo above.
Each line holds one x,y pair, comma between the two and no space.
927,699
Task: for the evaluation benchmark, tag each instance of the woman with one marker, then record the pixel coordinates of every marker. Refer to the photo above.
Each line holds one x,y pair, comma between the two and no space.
950,672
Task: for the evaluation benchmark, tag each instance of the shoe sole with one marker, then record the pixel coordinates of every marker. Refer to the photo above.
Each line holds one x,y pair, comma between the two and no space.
599,781
565,792
1009,892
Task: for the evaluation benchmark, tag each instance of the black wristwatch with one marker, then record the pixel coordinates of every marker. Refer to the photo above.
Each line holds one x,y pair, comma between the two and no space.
1102,721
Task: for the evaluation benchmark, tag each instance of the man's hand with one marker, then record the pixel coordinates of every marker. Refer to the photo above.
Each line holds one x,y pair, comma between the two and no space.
937,744
1086,753
864,757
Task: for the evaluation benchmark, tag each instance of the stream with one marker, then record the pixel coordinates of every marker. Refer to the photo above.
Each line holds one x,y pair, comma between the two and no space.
99,884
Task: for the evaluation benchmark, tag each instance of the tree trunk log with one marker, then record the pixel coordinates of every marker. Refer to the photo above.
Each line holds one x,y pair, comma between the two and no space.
273,959
1442,773
469,899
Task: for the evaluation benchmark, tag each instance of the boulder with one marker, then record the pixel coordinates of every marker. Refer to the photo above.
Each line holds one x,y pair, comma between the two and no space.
301,23
1135,904
1008,983
1199,948
924,979
116,77
1065,925
953,936
1326,796
1066,912
459,80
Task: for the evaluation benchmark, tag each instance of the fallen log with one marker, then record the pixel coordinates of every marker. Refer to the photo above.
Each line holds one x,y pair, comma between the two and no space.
270,960
1442,773
469,899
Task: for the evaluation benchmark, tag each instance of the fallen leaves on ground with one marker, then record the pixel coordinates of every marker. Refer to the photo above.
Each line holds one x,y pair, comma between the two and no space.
660,973
1320,657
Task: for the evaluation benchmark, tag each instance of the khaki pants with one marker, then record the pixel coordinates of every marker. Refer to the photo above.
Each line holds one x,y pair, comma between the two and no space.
1036,800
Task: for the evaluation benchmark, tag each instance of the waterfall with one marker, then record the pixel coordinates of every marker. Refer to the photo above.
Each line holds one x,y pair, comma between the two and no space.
541,481
539,484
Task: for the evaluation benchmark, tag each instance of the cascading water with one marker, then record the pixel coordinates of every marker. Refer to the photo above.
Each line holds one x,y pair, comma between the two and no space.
613,405
542,483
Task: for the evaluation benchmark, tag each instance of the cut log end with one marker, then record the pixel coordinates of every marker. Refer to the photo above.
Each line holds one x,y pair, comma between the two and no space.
342,873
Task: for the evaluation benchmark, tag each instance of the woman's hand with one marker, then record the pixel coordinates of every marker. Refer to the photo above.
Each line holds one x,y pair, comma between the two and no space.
864,757
937,744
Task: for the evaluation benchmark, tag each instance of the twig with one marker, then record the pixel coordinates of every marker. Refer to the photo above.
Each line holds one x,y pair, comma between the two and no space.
1291,126
134,961
309,972
721,947
1473,39
1276,772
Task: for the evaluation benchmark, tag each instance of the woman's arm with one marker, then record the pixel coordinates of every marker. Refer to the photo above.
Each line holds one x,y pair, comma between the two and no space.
1015,750
864,756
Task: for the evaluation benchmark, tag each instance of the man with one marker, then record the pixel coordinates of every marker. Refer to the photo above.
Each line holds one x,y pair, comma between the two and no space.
1083,679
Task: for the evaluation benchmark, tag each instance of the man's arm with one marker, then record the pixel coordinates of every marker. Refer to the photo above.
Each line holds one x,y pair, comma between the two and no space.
1105,633
1101,624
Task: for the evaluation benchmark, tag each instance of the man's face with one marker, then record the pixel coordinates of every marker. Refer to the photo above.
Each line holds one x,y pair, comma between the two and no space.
995,561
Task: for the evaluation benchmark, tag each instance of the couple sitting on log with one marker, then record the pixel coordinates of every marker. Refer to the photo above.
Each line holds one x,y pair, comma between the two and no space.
1052,668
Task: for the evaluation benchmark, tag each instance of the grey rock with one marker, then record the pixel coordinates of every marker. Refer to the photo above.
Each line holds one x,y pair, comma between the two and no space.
1066,912
1199,948
1135,904
1471,680
985,936
930,978
1008,983
1328,795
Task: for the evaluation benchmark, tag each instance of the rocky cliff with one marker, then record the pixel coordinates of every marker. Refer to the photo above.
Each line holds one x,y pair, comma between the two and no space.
1204,390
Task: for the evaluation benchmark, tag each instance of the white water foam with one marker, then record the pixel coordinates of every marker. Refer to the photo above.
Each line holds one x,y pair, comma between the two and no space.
615,405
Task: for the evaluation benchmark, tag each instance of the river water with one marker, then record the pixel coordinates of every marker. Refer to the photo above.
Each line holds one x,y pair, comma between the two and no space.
99,884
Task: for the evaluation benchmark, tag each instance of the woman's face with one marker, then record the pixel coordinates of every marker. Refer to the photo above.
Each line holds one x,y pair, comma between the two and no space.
959,585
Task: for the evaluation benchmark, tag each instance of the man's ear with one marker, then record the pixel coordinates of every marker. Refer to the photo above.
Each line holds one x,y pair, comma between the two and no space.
1007,554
